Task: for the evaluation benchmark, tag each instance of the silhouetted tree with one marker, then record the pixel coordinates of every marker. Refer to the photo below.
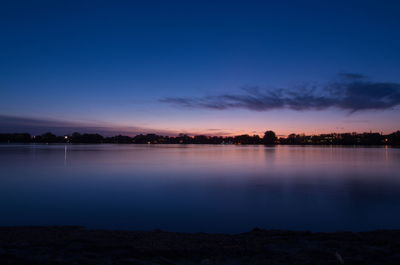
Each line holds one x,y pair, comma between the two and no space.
15,137
393,139
184,139
119,139
46,138
92,138
269,138
371,139
200,139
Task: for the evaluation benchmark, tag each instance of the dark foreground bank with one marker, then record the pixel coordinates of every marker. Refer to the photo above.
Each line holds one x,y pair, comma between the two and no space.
77,245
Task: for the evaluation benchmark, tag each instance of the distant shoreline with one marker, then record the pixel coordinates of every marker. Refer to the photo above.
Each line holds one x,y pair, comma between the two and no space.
77,245
340,139
167,144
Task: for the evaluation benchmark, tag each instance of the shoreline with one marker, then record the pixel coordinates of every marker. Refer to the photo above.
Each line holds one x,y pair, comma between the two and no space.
169,144
79,245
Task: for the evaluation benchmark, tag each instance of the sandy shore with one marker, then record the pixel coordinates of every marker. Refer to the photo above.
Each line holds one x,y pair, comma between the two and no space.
77,245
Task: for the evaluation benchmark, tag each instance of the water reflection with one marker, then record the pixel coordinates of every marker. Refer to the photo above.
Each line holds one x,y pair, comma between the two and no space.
200,188
65,155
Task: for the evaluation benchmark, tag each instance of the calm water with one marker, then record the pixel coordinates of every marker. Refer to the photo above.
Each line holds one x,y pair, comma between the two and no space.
200,188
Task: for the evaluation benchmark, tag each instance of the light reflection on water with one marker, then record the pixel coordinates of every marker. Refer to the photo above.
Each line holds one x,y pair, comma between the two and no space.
200,187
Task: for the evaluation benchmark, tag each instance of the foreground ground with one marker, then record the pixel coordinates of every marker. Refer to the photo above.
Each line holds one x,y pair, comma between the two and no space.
77,245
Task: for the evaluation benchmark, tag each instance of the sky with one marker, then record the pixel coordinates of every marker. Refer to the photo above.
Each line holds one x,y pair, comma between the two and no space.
199,67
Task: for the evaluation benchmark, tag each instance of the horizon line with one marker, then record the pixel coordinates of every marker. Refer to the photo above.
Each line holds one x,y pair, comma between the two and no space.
194,135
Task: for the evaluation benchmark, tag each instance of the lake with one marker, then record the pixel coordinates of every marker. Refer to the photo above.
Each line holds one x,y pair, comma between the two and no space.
200,188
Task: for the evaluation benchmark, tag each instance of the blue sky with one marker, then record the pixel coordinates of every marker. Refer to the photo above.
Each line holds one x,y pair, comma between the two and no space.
120,66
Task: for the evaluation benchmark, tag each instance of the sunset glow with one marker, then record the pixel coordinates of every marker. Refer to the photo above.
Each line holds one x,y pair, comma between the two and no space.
241,69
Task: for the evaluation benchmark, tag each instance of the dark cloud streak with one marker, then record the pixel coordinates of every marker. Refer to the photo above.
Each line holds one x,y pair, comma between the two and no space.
37,126
351,93
353,76
12,124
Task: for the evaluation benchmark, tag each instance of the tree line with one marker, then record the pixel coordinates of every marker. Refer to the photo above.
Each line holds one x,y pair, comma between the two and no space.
269,138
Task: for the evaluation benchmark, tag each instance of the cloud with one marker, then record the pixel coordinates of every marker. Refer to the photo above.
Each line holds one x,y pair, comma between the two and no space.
352,76
12,124
352,92
37,126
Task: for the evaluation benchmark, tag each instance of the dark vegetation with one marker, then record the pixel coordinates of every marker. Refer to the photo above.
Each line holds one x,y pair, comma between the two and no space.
268,139
76,245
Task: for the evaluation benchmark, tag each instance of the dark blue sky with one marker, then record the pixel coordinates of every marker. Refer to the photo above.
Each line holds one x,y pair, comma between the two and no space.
200,66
